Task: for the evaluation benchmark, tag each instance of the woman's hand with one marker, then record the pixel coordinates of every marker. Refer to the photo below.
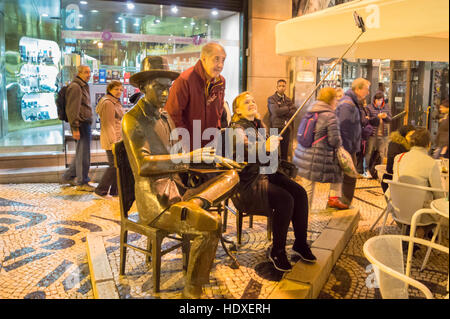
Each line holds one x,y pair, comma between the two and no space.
272,143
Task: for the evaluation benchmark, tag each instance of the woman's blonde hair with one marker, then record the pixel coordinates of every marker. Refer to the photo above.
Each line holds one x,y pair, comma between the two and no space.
327,94
236,102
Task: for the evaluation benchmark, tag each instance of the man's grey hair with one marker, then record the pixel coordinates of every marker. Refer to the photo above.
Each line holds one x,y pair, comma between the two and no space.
81,67
208,49
359,83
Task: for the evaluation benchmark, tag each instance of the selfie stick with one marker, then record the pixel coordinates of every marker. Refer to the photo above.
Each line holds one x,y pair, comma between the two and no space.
360,24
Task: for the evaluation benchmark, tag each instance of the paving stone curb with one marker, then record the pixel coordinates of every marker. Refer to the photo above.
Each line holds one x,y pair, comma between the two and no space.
305,281
101,275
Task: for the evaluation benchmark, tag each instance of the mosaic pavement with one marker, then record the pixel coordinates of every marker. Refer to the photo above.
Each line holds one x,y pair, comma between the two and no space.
43,231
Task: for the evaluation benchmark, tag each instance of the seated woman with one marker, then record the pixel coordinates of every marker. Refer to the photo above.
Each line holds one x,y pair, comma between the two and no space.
268,194
417,163
399,143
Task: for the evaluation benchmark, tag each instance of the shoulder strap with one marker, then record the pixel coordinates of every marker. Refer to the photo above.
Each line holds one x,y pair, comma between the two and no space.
398,163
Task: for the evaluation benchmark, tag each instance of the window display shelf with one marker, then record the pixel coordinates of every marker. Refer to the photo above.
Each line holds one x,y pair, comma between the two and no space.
37,78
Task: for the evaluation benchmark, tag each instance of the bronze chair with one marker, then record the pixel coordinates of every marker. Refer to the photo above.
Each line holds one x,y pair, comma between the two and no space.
239,221
153,252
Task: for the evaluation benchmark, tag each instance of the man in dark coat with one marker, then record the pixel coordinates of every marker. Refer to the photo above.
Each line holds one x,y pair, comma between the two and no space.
380,116
198,95
161,198
348,114
79,115
281,109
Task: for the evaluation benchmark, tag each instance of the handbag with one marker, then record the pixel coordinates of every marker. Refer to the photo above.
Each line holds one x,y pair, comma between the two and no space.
346,163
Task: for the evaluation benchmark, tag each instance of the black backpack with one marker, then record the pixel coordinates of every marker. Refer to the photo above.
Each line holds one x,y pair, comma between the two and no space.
61,104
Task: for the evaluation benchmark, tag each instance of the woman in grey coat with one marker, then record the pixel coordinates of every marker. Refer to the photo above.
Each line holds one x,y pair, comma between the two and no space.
319,163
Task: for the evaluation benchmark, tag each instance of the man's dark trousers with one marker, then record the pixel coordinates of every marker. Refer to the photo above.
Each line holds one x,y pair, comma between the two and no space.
80,165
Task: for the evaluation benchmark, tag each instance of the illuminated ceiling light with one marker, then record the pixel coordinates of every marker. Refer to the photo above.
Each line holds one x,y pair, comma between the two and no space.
185,26
214,12
183,17
130,5
117,21
83,2
94,11
120,18
157,21
174,9
192,23
79,27
100,45
206,24
80,15
44,15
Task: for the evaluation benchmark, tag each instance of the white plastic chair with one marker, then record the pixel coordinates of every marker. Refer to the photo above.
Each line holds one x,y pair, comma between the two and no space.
381,170
407,197
437,231
386,255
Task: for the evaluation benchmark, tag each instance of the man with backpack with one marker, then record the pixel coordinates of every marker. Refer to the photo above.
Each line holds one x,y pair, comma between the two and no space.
79,115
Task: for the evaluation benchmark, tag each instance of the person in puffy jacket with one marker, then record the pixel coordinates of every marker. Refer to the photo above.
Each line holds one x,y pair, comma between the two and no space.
350,125
399,142
319,162
111,112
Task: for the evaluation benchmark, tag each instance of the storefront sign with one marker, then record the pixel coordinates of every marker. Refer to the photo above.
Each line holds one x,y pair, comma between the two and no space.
72,16
102,76
126,77
115,36
305,76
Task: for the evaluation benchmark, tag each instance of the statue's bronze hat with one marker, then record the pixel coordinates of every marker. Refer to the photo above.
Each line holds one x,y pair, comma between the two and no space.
152,67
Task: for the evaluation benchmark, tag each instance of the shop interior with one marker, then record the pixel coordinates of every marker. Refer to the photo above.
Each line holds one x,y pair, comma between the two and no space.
112,38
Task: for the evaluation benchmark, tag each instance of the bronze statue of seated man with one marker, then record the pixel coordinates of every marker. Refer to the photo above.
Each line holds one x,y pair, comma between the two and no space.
161,197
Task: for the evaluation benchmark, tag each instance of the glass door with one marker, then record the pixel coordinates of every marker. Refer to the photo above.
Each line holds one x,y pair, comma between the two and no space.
3,117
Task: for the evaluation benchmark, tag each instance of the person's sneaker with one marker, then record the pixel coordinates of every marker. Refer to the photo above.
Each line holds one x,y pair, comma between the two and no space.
334,202
71,182
280,261
304,253
102,196
367,175
85,188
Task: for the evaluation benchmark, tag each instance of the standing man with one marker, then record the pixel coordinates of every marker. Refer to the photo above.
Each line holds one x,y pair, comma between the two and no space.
348,114
198,94
161,198
281,110
79,115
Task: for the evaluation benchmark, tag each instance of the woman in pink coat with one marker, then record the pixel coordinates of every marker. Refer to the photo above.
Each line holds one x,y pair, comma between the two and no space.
111,112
